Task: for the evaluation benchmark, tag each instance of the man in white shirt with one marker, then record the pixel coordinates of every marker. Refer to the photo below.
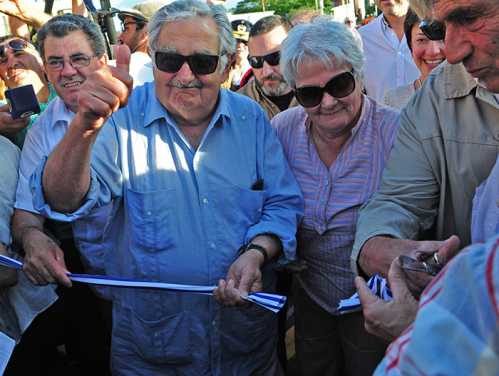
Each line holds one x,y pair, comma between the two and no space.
388,60
134,34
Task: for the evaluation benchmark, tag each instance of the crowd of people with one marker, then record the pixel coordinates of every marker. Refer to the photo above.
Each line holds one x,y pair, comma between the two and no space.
299,156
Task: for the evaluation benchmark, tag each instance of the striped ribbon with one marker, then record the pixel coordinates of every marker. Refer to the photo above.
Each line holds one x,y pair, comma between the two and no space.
272,302
378,286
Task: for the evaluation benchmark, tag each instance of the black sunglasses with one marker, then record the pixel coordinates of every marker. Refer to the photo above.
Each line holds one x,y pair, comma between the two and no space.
271,59
14,44
339,86
199,64
434,30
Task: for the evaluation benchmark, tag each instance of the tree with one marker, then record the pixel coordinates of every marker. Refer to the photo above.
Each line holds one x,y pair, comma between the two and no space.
281,7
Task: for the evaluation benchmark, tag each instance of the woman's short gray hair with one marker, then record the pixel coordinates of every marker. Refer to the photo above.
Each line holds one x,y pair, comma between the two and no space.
324,40
185,9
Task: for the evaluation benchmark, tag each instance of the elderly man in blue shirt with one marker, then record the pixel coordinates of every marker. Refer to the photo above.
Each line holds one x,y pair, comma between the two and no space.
186,184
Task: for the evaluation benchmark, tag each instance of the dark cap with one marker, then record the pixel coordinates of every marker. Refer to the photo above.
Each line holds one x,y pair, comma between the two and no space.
241,29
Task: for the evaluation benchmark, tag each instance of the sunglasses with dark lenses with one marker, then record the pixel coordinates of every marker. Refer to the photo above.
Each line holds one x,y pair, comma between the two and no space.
14,44
198,63
339,86
434,30
271,59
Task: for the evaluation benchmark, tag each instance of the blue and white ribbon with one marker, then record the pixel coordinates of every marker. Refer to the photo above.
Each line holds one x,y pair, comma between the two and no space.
271,302
378,286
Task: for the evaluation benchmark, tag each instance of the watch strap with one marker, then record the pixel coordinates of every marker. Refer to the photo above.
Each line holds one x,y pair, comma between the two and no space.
258,248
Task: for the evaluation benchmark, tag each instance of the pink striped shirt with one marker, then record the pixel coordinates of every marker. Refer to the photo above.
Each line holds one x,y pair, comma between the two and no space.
334,195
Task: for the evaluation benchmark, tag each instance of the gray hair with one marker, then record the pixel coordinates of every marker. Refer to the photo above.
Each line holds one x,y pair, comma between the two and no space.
421,7
186,9
324,40
60,26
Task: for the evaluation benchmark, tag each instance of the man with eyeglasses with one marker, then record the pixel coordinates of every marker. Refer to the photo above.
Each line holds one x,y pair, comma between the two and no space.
20,65
389,62
268,88
188,184
447,144
71,47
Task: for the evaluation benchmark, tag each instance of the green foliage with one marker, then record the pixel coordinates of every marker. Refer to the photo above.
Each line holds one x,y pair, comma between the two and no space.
371,10
281,7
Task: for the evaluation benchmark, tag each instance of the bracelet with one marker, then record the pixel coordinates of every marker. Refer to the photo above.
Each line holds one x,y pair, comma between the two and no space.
258,248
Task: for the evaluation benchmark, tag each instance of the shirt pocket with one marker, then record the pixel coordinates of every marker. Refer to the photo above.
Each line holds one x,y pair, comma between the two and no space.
244,207
247,330
164,341
149,215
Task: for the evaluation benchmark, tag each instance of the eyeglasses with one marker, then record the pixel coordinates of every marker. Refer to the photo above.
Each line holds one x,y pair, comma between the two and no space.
77,61
339,86
124,25
15,45
271,59
199,64
434,30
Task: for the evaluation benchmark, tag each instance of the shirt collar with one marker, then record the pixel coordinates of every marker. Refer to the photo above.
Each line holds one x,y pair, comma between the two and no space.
459,83
155,110
384,22
62,114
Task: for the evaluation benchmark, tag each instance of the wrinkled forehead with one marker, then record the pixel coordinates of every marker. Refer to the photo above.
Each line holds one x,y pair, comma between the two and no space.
195,34
455,10
72,43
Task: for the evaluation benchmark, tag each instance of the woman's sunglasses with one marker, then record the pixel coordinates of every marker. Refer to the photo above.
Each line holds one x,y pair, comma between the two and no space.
339,86
271,59
13,44
434,30
199,64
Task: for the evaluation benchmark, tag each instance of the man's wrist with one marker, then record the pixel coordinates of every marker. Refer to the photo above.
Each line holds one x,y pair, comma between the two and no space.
256,248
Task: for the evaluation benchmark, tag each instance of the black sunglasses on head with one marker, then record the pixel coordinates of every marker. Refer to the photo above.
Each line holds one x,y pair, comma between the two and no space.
271,59
434,30
13,44
339,86
199,64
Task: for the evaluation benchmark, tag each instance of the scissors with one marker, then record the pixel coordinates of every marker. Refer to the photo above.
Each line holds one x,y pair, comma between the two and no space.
408,263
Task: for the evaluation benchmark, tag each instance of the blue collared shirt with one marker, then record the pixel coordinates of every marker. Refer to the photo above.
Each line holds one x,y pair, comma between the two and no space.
485,210
163,211
48,130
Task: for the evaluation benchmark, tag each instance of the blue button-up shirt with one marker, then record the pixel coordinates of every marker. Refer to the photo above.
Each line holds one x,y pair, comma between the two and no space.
41,139
163,211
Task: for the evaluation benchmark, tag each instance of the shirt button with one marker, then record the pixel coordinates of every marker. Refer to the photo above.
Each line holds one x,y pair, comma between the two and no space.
212,245
149,213
205,200
243,117
214,323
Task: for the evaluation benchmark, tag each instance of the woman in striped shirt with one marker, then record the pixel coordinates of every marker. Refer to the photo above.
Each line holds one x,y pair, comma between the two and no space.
337,143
